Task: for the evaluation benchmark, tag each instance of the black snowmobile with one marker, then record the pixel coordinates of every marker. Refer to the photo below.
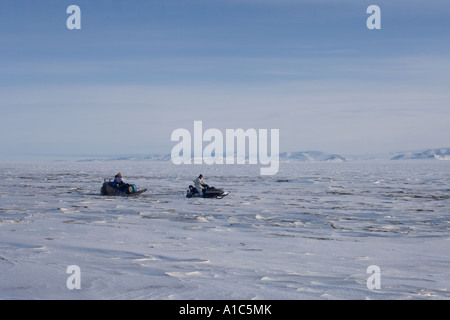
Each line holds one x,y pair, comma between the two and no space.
208,192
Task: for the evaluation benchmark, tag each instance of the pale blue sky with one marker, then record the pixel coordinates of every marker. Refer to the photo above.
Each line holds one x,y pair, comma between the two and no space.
137,70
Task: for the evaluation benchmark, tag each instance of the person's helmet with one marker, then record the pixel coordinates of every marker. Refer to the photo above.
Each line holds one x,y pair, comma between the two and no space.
200,176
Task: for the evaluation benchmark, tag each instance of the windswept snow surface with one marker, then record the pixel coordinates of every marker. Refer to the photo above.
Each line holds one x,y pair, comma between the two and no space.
309,232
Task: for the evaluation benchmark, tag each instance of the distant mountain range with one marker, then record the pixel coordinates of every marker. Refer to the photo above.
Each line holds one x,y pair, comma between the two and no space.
311,156
306,156
439,154
140,157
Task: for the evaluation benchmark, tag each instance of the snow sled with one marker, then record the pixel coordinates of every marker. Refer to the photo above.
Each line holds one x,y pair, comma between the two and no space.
208,192
109,188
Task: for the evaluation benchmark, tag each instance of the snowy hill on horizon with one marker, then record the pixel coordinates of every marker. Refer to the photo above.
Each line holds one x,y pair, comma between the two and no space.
311,156
438,154
146,157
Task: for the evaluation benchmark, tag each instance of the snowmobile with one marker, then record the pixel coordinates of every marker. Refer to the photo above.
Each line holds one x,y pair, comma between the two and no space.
208,192
109,188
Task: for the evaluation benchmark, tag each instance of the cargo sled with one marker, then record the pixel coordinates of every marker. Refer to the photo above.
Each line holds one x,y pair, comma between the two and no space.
109,188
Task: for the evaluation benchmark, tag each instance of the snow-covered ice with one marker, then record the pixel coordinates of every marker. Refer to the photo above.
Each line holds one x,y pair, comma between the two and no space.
309,232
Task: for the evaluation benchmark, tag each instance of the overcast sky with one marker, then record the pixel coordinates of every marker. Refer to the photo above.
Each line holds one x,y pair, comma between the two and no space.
137,70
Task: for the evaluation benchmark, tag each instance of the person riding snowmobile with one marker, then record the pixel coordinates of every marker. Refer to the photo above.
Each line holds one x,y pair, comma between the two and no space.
200,184
201,189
